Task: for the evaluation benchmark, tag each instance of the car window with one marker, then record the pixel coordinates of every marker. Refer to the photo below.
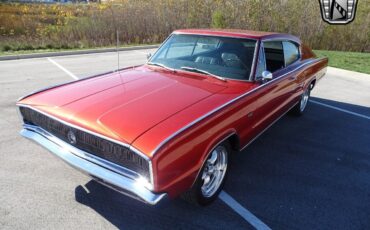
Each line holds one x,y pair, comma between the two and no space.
222,56
291,52
274,54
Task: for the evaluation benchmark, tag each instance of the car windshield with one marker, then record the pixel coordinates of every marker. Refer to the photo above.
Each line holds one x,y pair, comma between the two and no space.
221,57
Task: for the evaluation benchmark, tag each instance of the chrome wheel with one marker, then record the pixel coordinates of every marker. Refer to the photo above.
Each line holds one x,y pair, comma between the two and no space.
304,99
214,171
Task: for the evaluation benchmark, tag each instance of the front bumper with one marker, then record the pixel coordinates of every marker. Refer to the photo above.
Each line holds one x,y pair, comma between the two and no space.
100,170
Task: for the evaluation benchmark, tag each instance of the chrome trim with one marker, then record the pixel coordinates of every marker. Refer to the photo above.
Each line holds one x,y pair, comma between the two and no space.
255,56
98,170
215,35
282,38
251,141
100,136
261,50
214,172
226,104
85,130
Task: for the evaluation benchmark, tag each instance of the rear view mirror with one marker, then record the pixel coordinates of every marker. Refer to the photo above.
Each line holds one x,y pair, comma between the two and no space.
148,56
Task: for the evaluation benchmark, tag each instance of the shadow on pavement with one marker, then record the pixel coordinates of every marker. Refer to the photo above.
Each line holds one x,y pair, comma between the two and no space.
308,172
127,213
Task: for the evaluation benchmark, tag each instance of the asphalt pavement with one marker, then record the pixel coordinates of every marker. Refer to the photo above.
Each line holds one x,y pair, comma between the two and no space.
311,172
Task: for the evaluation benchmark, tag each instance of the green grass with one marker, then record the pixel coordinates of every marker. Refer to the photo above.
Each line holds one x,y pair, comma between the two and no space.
354,61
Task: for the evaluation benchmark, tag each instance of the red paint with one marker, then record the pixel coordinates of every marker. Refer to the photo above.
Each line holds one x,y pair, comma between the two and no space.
143,106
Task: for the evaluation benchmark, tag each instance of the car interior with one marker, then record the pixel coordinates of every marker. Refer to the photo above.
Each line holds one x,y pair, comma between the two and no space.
274,54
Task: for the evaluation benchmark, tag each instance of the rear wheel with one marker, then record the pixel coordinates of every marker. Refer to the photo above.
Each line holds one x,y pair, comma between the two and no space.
301,106
211,177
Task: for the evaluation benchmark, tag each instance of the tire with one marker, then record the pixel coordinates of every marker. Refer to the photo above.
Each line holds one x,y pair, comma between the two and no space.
211,178
299,108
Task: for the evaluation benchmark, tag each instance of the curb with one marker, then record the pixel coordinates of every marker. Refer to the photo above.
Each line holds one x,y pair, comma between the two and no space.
75,52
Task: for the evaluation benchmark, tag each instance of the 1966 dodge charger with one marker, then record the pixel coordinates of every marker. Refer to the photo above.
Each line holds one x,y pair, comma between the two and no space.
168,127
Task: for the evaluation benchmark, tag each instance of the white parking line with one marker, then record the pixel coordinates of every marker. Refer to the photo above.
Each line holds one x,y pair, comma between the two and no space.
243,212
62,68
340,109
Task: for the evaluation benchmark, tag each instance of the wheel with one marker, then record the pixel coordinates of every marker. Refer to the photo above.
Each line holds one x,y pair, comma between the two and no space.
211,178
301,106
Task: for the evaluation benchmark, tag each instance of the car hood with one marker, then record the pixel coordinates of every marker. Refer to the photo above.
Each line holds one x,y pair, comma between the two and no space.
124,105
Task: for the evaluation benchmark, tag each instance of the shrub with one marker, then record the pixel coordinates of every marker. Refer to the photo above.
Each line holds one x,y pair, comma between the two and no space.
218,20
150,21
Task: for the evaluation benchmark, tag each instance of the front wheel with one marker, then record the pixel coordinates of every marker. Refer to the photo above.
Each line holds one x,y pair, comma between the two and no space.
301,106
211,178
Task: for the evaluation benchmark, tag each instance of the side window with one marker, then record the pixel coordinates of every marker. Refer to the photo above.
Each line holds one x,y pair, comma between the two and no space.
291,53
261,63
274,54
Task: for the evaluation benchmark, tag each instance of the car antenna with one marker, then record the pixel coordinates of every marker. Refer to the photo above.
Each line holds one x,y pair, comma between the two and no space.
117,35
117,38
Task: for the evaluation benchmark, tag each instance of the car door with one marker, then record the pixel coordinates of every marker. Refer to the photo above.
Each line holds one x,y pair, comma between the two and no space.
274,97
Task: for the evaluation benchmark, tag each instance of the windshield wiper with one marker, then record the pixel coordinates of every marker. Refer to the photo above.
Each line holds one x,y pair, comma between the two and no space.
203,71
161,65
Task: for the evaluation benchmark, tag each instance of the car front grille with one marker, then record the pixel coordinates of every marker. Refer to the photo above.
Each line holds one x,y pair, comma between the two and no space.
87,142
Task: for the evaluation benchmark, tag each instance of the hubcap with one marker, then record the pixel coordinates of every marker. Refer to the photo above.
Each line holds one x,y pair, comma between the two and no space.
304,99
214,171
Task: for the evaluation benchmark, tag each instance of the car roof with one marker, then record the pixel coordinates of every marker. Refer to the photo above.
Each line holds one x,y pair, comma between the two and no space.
236,33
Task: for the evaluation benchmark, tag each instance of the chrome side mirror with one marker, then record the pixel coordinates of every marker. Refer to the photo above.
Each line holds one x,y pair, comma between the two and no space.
266,75
148,56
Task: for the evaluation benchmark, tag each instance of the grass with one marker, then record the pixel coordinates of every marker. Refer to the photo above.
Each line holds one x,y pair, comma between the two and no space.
354,61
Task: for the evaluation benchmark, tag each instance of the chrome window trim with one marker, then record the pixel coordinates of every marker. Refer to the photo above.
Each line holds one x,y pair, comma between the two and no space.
260,50
98,135
253,69
165,141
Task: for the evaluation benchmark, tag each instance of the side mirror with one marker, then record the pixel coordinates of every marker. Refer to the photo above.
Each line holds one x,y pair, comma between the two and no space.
148,56
266,75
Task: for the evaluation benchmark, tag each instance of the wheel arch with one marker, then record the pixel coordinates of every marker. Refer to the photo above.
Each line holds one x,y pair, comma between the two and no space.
230,136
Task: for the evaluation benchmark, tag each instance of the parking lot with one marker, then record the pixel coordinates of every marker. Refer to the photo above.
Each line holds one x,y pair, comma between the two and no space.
311,172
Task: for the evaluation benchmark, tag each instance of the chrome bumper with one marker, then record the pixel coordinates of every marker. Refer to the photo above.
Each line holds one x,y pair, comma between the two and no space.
99,171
